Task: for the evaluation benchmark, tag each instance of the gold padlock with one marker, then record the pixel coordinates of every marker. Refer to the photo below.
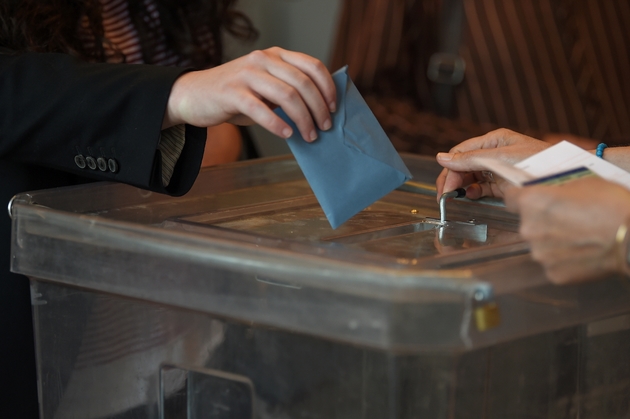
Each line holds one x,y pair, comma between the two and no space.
487,316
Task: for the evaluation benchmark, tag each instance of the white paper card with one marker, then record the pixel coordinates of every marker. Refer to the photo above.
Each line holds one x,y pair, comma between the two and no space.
559,158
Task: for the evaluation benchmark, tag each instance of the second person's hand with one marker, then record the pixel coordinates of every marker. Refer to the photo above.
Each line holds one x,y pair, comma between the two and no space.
461,168
247,89
571,227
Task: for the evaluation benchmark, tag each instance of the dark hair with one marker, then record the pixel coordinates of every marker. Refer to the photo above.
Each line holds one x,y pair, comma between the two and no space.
192,29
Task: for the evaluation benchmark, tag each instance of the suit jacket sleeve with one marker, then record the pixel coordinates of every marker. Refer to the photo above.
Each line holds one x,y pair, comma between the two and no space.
60,112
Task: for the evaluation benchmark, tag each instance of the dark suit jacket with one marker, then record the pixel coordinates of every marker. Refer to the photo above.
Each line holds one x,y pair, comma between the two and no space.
55,108
55,112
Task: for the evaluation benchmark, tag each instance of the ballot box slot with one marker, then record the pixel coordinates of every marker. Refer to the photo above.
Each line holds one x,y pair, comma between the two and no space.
419,243
383,233
402,229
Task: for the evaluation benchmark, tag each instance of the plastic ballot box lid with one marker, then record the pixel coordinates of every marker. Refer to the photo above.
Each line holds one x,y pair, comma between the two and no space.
250,242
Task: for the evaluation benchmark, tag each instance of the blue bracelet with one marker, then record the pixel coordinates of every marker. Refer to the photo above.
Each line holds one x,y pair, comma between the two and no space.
600,150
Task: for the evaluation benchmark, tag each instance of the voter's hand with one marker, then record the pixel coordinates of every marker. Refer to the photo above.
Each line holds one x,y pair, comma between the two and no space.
462,170
571,227
247,89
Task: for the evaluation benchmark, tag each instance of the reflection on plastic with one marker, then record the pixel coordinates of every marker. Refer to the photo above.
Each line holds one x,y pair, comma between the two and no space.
206,393
459,235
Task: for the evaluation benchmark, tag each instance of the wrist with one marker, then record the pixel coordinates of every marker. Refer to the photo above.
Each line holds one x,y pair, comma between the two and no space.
176,104
622,247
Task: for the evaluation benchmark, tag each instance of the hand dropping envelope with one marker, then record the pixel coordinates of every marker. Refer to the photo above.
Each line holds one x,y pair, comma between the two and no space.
351,165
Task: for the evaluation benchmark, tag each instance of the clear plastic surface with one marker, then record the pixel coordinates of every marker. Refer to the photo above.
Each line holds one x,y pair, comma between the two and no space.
145,305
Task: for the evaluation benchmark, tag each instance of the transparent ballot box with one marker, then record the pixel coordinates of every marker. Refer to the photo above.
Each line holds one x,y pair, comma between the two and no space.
239,301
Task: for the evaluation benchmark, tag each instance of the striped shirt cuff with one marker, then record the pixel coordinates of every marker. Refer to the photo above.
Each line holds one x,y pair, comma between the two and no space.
171,145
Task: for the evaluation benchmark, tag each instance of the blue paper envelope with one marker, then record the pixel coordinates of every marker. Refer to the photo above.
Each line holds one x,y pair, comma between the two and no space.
353,164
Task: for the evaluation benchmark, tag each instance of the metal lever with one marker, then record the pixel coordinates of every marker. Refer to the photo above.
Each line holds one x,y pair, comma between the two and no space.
457,193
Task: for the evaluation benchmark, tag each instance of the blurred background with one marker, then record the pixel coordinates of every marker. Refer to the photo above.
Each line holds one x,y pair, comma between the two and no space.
437,72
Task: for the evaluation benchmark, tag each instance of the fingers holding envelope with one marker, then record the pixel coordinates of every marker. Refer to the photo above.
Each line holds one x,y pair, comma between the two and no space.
247,89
